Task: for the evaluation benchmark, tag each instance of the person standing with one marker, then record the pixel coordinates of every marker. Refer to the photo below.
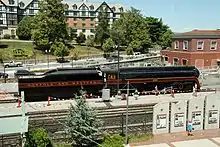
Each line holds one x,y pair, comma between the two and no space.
189,128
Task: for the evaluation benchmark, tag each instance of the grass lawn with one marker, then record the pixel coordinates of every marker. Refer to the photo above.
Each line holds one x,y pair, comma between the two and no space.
27,47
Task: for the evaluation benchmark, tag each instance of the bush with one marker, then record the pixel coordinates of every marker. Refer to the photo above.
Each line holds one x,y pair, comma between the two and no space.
7,36
13,36
113,141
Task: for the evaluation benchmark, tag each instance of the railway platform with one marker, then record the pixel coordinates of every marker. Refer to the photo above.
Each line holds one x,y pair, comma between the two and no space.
205,138
11,108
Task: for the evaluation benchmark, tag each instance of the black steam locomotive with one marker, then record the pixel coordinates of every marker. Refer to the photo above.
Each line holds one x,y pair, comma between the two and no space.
64,83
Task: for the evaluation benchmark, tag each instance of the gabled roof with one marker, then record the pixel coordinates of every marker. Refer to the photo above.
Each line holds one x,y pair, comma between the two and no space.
6,2
198,34
95,4
26,2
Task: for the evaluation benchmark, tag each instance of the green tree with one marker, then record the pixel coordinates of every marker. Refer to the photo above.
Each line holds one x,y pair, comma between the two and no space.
73,33
81,38
90,41
102,29
129,50
82,123
50,24
159,32
38,138
108,46
60,49
131,29
25,28
166,39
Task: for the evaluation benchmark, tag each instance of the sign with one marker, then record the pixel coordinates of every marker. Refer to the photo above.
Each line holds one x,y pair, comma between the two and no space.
196,118
213,116
11,125
179,120
161,121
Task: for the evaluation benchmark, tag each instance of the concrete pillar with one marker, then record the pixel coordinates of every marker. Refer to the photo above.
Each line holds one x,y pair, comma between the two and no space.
161,118
178,116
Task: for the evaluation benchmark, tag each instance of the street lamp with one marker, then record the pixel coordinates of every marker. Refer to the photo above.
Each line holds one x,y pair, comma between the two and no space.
47,51
117,47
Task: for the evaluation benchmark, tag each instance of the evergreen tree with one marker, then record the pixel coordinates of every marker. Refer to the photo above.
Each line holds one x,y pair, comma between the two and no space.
82,123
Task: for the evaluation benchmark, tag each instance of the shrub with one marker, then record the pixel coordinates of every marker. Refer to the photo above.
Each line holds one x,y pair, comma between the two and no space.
7,36
113,141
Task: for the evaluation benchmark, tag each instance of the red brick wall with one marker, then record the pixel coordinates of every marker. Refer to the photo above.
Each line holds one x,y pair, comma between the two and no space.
199,59
207,45
181,45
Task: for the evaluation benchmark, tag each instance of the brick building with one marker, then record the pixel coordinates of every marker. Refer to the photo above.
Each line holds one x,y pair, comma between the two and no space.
81,15
200,48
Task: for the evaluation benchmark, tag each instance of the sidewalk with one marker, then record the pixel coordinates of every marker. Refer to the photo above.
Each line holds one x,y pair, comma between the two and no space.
205,136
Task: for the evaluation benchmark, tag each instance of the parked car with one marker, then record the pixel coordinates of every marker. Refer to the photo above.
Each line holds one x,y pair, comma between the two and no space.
3,75
23,72
12,64
62,60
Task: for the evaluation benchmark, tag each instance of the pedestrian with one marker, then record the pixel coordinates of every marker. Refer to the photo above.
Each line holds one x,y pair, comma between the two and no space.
189,128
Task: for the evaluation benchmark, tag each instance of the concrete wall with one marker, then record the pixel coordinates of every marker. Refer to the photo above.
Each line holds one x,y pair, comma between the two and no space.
196,111
212,111
161,118
178,116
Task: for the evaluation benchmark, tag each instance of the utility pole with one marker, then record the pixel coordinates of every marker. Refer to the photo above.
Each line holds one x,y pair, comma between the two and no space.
127,113
23,117
118,68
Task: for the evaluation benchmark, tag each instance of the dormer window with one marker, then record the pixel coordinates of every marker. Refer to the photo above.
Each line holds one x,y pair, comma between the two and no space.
83,7
91,7
21,4
66,6
113,9
11,2
74,6
121,9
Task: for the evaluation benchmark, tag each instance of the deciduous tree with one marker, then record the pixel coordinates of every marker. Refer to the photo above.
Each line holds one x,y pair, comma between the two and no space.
108,46
25,28
102,30
50,24
60,49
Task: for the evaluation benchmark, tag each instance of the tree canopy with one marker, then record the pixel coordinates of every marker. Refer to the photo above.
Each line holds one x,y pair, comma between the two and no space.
50,24
102,30
82,123
140,33
108,45
24,29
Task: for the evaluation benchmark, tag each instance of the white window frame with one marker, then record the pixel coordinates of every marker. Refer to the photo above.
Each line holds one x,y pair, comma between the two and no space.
186,61
187,45
215,45
198,45
176,45
177,60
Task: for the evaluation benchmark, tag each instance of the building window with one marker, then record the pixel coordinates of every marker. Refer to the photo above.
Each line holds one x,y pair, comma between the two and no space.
21,4
92,25
176,45
83,7
1,15
83,25
66,12
74,6
175,61
184,62
92,30
75,24
92,19
83,13
75,13
83,19
11,9
185,45
213,45
75,19
113,8
11,2
166,59
200,45
1,21
92,13
83,30
31,11
91,7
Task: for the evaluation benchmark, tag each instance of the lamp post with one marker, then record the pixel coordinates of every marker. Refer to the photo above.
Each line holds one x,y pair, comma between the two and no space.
4,74
47,51
117,47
